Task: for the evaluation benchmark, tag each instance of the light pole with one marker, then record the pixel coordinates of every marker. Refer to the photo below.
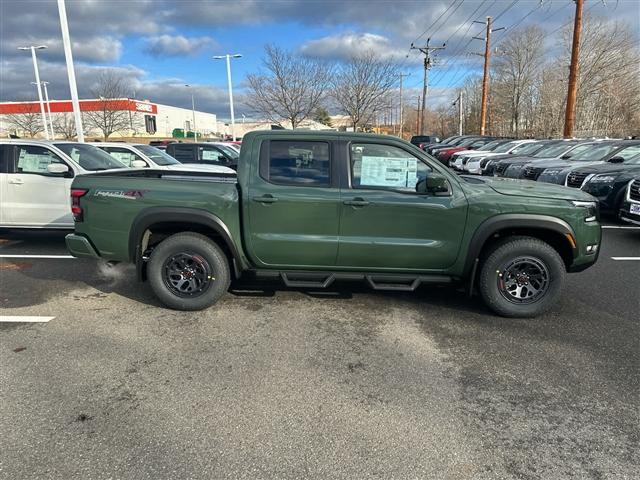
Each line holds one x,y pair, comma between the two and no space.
229,57
33,49
193,113
46,99
68,55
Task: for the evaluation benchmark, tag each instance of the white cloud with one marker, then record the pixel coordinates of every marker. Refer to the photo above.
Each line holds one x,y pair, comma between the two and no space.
177,45
346,45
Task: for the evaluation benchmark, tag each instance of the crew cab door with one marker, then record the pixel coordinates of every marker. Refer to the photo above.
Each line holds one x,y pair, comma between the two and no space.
386,224
34,197
293,205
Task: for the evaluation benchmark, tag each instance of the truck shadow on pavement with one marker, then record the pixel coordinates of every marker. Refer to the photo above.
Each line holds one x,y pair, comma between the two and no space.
28,282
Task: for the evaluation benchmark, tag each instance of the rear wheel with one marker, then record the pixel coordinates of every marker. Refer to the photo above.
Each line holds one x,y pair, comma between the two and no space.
521,277
188,271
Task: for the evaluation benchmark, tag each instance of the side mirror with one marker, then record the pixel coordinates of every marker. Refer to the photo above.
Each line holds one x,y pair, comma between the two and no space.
138,164
434,184
57,168
616,160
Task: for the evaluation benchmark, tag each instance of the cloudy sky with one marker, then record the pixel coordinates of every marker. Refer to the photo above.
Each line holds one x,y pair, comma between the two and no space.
161,45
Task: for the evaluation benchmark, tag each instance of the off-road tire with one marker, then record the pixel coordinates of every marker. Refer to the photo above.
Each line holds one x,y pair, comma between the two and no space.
507,251
188,243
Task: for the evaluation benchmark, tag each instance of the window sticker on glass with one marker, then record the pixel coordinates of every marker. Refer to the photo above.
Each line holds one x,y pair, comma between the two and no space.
389,172
210,155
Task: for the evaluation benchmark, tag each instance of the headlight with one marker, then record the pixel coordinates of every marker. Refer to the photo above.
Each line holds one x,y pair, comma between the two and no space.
552,171
591,214
602,179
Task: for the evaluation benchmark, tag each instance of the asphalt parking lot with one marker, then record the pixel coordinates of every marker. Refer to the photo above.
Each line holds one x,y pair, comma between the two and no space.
281,383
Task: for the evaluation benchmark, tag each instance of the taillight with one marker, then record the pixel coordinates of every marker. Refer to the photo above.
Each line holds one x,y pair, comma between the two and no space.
76,209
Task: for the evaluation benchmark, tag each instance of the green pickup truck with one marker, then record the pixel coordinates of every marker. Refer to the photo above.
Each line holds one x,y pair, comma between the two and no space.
310,208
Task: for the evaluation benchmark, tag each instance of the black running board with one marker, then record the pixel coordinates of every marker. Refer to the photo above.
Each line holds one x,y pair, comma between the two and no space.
377,281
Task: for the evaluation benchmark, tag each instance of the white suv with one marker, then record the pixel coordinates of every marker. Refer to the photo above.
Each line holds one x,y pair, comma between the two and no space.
35,180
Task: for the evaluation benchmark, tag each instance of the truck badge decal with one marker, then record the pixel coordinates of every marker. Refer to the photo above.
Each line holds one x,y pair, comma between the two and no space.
125,194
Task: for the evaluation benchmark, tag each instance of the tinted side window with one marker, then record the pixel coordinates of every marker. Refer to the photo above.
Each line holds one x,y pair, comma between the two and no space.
303,163
379,166
4,158
183,153
35,160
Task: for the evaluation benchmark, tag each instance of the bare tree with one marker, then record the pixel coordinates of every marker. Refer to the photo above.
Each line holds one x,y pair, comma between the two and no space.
518,67
111,116
291,89
361,85
29,123
64,124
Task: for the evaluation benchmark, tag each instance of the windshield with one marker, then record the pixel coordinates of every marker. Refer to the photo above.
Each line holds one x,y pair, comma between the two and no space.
552,150
158,156
449,139
232,153
594,153
634,160
468,141
505,147
527,148
89,157
628,152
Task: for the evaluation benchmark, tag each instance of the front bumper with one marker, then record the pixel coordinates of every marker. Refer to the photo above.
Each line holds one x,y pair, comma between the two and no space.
557,178
80,246
627,216
588,234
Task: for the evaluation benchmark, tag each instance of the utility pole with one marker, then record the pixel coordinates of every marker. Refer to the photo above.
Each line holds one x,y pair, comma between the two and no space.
402,75
459,102
485,78
426,50
418,117
570,113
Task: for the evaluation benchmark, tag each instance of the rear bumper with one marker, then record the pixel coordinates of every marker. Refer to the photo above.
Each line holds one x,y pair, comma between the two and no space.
80,246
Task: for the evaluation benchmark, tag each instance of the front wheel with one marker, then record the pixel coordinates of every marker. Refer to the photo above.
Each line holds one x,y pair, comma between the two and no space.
188,271
521,277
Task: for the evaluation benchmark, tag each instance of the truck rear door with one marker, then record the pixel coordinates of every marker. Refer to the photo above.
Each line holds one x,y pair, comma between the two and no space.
294,205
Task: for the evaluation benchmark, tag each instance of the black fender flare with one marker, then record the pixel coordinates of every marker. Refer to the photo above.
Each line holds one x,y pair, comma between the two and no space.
153,215
504,221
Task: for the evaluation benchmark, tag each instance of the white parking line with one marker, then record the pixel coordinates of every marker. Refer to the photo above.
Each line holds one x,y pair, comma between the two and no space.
620,227
625,258
20,319
37,256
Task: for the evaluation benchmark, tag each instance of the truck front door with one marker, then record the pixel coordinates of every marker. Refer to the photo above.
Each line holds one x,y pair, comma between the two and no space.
386,224
294,205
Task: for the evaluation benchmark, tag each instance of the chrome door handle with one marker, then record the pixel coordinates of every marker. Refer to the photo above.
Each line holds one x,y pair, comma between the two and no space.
16,181
265,199
357,202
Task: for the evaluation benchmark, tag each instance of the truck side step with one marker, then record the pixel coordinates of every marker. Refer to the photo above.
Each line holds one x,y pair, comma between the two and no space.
403,283
307,279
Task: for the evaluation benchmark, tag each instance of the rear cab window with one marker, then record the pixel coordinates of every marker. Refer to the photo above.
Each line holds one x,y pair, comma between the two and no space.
302,163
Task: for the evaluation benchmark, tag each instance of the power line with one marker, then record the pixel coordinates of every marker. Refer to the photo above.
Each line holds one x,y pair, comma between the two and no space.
436,21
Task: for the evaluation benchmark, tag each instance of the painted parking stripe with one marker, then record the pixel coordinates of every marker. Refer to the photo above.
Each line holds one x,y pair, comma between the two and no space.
620,227
24,319
625,258
37,256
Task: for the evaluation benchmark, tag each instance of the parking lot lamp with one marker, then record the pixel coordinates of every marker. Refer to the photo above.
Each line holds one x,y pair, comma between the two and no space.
33,49
193,113
46,99
228,57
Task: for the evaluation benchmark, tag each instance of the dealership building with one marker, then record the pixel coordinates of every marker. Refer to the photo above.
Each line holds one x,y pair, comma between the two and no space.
142,119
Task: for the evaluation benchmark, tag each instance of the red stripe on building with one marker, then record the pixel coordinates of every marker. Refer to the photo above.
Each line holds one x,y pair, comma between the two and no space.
62,106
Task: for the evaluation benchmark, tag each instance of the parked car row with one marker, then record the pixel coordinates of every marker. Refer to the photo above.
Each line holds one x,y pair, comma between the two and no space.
36,176
605,168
